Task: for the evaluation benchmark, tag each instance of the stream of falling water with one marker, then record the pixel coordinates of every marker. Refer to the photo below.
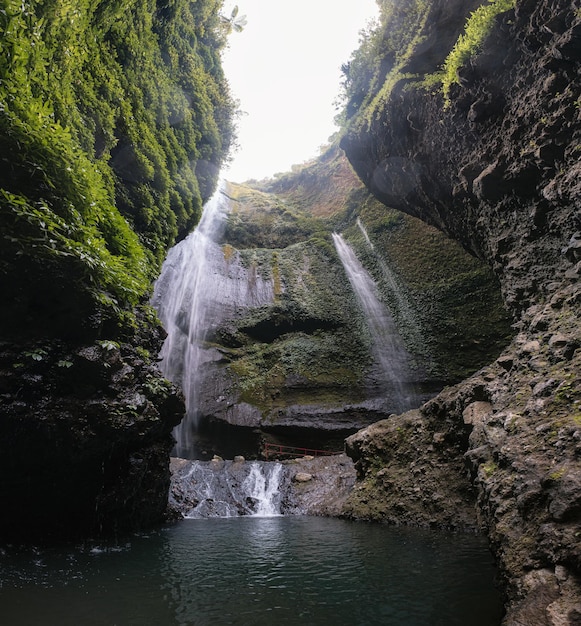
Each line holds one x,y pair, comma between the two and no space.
405,311
387,345
184,296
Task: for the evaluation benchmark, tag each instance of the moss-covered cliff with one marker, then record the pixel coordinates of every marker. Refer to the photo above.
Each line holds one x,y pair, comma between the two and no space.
446,303
114,121
290,354
473,125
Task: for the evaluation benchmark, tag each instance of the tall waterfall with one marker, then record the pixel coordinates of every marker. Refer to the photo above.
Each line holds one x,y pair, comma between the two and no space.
389,351
185,296
201,285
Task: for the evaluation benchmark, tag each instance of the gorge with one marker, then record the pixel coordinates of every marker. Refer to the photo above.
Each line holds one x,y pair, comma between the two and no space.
278,337
453,188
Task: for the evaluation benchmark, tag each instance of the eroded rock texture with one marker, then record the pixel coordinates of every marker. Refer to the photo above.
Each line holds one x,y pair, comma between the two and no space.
86,433
499,170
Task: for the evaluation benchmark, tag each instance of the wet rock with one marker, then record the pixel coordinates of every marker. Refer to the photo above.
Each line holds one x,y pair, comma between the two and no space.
332,480
565,494
506,362
573,249
398,486
490,185
97,435
227,489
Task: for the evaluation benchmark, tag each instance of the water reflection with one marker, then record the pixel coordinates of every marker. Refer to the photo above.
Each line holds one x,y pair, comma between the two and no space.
258,571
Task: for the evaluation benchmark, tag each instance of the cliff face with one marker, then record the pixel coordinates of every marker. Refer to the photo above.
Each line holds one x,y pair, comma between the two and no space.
289,356
114,120
86,436
497,167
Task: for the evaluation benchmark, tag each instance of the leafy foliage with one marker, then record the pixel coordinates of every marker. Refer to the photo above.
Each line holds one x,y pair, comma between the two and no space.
385,47
478,26
391,50
262,220
115,118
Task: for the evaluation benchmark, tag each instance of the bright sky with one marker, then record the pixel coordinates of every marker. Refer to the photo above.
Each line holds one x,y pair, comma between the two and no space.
284,68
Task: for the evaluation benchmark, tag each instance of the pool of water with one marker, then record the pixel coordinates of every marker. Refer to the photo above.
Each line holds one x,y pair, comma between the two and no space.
256,571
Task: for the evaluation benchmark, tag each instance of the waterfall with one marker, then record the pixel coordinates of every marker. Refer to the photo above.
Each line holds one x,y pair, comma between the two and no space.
185,297
403,307
202,284
387,345
263,488
228,489
364,233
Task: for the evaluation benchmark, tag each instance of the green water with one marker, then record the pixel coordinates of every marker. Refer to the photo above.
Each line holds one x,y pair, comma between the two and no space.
256,571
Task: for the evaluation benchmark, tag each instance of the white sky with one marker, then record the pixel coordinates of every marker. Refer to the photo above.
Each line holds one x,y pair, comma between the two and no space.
284,68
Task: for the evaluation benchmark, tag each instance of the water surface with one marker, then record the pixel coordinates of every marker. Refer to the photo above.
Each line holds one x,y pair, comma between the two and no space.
256,571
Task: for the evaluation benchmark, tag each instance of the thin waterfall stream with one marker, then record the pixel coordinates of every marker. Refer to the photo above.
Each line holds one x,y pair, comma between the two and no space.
387,345
403,306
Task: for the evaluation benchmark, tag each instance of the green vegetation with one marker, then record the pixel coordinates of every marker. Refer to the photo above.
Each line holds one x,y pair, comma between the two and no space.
261,220
114,120
379,62
391,55
489,468
307,345
557,474
478,26
446,303
324,367
310,344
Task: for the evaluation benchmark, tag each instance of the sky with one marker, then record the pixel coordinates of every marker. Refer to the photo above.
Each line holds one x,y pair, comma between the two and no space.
284,69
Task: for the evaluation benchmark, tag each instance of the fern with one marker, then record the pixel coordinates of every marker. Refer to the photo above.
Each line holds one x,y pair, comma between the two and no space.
478,27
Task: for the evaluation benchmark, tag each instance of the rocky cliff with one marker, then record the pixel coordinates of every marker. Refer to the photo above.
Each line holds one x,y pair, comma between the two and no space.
114,121
288,355
493,160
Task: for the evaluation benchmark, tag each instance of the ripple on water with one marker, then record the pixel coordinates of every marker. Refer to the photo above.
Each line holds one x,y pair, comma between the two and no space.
257,571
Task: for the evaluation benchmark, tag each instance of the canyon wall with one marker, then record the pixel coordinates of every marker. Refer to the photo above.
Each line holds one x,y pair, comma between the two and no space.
289,354
493,160
115,118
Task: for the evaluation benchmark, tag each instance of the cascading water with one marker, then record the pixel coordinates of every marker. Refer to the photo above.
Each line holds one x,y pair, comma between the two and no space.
184,296
264,488
228,489
390,353
199,286
202,284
